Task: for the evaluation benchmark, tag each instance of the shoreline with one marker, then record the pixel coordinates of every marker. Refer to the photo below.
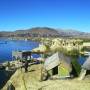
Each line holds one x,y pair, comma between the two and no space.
5,75
6,72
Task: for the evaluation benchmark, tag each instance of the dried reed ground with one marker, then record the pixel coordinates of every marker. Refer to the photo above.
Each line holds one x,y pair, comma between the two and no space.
32,81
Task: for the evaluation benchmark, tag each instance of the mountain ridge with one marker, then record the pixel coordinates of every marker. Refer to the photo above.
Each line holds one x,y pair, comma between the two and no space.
45,32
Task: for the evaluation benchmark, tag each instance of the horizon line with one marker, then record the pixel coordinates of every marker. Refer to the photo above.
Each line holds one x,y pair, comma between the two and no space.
65,29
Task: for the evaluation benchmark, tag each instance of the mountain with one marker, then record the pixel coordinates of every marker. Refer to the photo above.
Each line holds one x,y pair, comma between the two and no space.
38,32
70,32
5,34
73,33
45,32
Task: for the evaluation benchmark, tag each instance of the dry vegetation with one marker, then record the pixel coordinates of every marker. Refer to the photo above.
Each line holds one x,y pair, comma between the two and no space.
32,81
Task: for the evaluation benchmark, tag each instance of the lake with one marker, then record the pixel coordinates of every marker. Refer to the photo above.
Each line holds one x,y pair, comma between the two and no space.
7,46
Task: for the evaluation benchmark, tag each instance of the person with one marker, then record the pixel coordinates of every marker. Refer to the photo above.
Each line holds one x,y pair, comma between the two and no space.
8,65
10,86
28,58
26,66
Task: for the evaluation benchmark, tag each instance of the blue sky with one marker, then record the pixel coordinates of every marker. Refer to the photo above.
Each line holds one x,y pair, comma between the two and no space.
65,14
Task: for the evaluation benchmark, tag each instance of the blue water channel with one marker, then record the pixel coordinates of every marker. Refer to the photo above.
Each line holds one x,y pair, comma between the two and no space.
7,46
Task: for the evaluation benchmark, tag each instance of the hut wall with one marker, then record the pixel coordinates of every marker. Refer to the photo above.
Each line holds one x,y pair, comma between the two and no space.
53,71
60,70
50,72
63,71
16,54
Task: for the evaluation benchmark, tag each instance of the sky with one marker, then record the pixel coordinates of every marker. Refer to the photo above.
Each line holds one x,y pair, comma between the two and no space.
61,14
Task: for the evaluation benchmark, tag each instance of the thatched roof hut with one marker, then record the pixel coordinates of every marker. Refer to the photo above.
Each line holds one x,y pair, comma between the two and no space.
57,59
59,64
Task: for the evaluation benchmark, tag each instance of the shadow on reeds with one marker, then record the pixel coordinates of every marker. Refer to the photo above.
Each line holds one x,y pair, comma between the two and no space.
5,76
41,88
31,70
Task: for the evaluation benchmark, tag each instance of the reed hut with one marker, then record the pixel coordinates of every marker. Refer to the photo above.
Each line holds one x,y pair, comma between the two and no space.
61,65
24,55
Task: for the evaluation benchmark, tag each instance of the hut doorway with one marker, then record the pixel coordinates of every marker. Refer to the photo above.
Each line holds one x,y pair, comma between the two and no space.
73,72
88,72
55,70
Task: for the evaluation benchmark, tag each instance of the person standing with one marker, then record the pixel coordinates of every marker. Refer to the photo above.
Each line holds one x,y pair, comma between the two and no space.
10,86
26,66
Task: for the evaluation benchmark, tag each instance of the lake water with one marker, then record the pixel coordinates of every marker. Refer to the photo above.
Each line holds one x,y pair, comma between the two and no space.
7,46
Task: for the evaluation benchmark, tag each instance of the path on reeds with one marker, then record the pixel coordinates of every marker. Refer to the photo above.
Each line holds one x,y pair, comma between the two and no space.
32,81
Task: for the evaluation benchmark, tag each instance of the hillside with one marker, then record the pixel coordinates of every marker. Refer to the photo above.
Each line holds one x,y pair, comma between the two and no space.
45,32
38,31
73,33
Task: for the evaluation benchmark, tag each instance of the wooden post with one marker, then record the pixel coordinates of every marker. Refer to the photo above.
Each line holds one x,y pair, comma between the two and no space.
82,74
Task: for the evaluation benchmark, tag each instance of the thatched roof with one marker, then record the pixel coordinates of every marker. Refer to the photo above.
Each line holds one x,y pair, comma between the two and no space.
86,65
55,60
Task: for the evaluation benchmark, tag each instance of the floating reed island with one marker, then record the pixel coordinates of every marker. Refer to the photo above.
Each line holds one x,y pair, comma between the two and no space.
56,68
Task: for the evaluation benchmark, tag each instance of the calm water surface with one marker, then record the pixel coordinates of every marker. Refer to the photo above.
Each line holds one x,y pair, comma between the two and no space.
7,46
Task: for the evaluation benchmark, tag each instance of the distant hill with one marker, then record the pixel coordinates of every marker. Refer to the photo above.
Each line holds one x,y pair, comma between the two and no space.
73,33
38,32
45,32
5,34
